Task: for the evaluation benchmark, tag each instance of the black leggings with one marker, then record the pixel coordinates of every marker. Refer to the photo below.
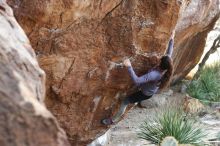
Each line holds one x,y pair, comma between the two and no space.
136,97
133,98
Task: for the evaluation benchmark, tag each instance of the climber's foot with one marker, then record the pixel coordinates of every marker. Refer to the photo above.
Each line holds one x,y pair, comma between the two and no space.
139,105
107,121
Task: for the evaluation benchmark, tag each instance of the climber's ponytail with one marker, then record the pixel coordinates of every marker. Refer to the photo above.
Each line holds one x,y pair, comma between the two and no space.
166,64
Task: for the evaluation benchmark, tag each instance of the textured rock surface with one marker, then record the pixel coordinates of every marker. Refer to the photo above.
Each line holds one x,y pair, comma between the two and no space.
196,20
79,43
24,120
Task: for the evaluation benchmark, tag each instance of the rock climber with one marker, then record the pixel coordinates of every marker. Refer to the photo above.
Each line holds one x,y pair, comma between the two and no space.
156,78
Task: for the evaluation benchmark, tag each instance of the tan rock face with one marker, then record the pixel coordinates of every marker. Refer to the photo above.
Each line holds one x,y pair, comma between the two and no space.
196,20
24,120
80,45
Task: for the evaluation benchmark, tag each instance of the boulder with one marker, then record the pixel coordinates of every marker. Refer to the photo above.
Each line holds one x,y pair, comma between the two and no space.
158,100
24,119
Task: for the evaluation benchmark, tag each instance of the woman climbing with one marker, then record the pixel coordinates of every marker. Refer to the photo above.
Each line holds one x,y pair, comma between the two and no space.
156,78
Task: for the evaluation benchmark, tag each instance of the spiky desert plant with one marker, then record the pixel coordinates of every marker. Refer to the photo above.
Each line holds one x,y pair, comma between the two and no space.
172,122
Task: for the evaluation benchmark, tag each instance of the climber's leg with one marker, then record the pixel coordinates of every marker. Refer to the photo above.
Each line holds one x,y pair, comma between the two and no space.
118,115
121,111
137,97
133,98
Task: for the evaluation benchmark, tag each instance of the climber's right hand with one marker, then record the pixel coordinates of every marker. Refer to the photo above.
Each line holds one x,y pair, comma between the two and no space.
127,62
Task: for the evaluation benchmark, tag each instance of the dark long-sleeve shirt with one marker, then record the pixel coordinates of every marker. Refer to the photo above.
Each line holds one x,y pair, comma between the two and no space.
148,82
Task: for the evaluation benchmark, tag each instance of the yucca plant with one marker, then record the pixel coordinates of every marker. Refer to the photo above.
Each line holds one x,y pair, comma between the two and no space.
174,123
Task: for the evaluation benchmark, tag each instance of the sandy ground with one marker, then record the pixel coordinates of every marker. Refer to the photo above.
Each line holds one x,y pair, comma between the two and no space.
124,133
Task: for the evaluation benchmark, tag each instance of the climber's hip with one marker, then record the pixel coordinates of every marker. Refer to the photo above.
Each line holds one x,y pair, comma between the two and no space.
137,97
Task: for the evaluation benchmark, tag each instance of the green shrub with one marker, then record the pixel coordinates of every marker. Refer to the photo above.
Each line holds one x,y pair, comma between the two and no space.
207,86
172,123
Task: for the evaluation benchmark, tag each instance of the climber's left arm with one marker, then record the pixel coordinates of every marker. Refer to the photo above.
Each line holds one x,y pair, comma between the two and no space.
170,45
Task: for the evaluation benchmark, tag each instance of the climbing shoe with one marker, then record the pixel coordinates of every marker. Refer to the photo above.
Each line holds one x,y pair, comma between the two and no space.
107,121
